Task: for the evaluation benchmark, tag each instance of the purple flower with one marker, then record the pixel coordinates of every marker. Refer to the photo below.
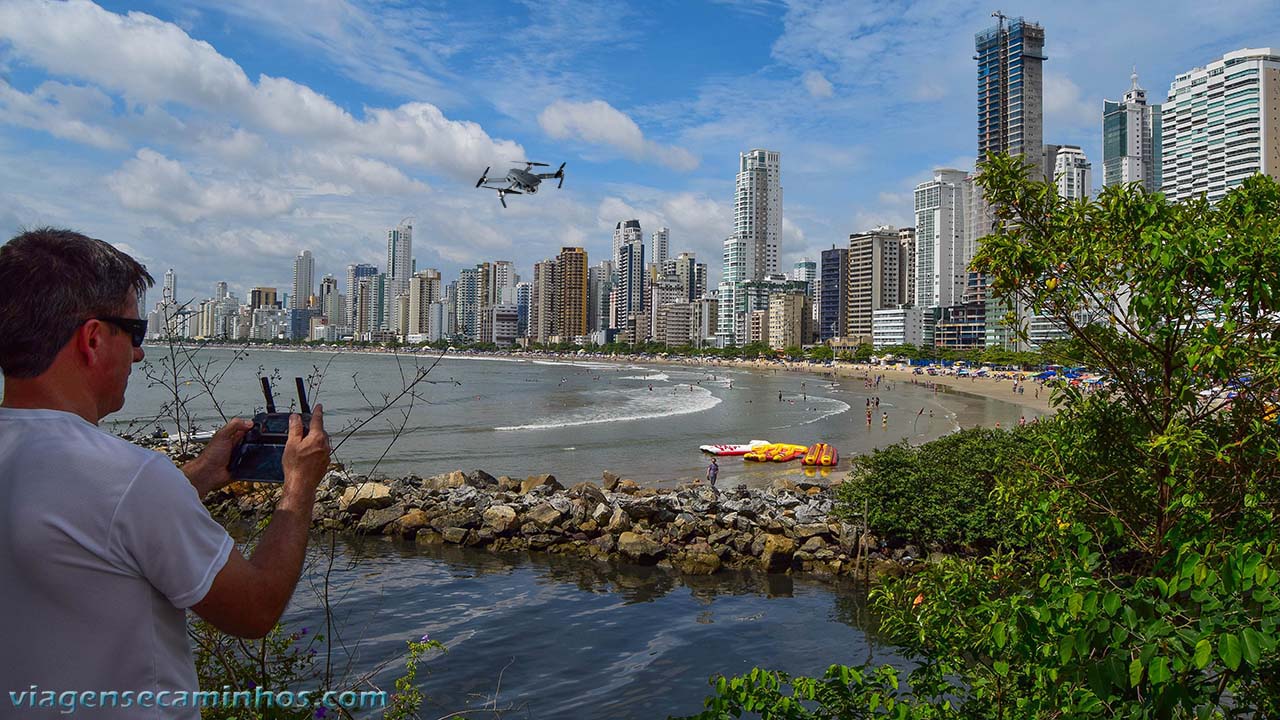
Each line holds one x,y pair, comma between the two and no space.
321,712
425,638
252,684
304,631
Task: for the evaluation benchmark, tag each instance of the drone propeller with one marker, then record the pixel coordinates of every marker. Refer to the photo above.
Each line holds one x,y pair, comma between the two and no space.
483,177
531,163
560,174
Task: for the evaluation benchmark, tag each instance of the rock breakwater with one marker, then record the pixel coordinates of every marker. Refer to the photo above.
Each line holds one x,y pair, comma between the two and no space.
696,529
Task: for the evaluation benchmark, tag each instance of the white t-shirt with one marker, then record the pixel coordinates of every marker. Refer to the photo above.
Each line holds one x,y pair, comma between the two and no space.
103,546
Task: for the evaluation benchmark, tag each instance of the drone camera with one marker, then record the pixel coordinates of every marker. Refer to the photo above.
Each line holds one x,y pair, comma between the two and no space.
259,456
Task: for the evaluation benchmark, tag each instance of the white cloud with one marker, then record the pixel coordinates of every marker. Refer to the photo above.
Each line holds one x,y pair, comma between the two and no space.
151,62
1065,107
599,123
817,85
152,182
54,108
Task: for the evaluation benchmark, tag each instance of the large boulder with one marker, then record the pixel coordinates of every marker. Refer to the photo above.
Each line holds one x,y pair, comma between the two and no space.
445,481
365,496
640,549
619,521
776,552
508,484
538,481
481,479
501,518
409,524
699,559
545,514
610,481
375,519
589,492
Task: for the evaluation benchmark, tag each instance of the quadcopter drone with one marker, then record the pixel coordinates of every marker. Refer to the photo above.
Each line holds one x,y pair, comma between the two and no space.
521,181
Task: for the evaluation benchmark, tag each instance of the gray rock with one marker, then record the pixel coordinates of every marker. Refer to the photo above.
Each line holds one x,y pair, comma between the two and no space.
601,513
589,492
455,535
508,484
619,521
808,530
610,481
374,520
481,479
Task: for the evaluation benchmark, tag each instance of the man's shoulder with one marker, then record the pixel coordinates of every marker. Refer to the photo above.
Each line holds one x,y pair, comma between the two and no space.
61,437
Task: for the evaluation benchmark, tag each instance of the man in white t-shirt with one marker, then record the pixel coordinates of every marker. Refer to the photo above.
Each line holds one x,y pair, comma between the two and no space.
105,545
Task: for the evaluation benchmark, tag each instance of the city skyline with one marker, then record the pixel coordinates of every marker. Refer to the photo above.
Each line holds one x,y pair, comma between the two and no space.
306,147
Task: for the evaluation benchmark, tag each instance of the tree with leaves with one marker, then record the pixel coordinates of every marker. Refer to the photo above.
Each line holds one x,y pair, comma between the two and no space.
1140,572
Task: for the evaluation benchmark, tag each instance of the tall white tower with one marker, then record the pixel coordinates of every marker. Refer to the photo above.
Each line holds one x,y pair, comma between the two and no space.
399,266
304,272
757,210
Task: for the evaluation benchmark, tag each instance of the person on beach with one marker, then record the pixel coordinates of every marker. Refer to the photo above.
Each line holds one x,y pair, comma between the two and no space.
105,545
713,472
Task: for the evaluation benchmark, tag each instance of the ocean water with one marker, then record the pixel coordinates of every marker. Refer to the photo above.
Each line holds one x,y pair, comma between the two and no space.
574,420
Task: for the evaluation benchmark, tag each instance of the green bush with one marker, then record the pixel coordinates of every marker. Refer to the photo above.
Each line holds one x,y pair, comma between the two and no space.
938,492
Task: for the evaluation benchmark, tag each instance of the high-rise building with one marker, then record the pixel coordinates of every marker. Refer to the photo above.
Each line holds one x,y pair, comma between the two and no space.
220,291
757,210
501,283
170,292
542,302
1010,88
1073,173
692,275
942,247
806,270
1222,124
524,291
626,231
1131,135
875,281
835,293
355,273
330,300
304,283
424,290
262,297
399,266
660,241
1010,59
631,282
571,266
599,287
471,287
906,265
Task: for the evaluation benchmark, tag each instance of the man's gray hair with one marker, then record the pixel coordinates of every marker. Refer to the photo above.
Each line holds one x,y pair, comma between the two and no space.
51,281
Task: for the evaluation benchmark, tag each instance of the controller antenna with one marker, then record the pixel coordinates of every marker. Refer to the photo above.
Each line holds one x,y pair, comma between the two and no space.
302,396
266,394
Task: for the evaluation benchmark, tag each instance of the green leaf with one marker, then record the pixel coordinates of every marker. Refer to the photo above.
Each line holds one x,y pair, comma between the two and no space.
1229,651
1252,645
1135,673
1001,667
1158,672
1065,646
1202,654
998,634
1111,603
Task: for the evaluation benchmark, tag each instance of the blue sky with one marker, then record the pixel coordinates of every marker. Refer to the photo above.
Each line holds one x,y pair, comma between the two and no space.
220,138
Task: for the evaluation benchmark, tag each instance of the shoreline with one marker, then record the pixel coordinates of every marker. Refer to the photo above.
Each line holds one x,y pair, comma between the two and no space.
987,388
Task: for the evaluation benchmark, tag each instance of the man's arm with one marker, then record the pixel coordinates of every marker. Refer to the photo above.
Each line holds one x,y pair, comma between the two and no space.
248,596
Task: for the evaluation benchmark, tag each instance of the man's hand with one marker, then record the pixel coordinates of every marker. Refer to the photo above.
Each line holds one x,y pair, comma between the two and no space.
305,457
208,472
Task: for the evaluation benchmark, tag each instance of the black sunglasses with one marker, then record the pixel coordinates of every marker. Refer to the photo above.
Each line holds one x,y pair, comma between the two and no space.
137,328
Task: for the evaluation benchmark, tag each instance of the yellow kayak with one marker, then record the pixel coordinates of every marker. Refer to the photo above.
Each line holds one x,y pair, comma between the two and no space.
776,452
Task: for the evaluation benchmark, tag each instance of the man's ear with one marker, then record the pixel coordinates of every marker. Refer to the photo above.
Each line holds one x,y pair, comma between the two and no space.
89,339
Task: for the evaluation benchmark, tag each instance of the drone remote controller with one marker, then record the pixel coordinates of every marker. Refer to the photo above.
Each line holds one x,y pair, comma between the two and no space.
259,456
